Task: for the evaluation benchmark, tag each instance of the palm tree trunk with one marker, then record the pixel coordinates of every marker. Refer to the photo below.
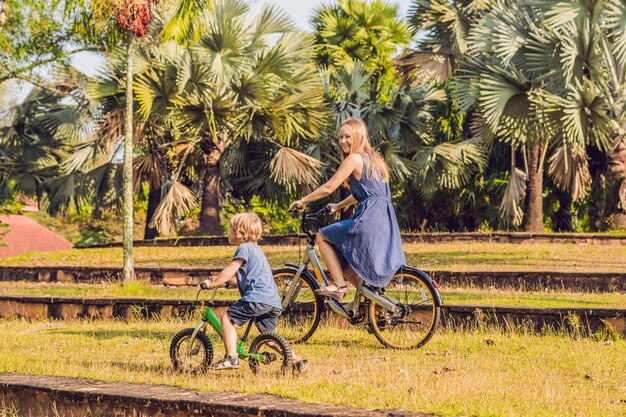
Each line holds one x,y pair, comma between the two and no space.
562,219
127,179
533,215
210,209
154,198
597,210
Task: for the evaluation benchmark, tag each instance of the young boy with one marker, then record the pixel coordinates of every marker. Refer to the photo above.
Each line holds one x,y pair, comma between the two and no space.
251,273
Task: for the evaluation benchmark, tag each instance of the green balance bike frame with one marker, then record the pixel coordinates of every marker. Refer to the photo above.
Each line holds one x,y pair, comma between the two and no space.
191,350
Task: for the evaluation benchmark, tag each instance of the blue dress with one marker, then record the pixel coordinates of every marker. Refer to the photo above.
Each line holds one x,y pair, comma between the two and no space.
370,242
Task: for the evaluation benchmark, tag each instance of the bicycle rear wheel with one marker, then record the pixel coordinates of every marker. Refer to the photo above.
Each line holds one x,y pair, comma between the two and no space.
302,314
416,297
275,351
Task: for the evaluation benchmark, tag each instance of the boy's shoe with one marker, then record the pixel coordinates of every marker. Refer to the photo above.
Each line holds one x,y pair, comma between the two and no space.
227,362
300,367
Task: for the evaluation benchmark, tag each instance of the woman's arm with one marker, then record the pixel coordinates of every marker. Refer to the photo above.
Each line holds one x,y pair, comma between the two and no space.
347,167
347,202
334,207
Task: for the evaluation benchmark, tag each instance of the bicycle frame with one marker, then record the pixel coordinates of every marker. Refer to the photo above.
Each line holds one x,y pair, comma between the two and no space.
347,310
210,319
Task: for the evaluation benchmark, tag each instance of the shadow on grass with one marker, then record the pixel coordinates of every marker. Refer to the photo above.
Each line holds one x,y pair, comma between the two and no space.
161,368
113,334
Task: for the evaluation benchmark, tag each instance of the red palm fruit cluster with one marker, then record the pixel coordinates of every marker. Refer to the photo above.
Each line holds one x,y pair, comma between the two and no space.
135,16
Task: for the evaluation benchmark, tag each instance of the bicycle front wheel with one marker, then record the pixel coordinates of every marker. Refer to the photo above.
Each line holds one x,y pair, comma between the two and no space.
419,316
302,313
191,355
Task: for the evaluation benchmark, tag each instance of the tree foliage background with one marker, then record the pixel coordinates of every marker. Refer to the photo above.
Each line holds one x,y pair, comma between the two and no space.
491,114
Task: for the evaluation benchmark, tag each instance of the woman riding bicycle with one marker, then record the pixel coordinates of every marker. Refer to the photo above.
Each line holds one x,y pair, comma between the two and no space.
368,245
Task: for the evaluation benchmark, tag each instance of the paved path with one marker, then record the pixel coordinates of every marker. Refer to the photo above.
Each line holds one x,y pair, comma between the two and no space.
26,235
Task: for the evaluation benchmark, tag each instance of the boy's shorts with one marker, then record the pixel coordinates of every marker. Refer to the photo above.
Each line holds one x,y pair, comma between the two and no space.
243,311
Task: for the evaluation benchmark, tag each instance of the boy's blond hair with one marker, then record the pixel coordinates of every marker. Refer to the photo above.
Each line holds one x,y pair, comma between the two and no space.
247,226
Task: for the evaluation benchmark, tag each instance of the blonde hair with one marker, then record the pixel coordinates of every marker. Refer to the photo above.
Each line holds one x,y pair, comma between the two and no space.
361,143
247,226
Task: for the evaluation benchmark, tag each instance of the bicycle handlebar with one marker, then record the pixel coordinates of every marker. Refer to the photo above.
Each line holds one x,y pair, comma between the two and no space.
321,212
203,285
311,217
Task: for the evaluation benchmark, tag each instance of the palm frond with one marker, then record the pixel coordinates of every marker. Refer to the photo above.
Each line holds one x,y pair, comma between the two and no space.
514,193
111,128
448,165
569,170
289,165
437,66
149,167
82,156
64,191
178,201
400,168
184,24
616,24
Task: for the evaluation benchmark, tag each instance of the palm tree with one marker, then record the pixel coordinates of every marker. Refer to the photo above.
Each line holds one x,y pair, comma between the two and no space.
402,131
441,28
114,21
542,77
98,158
357,41
37,138
242,88
367,32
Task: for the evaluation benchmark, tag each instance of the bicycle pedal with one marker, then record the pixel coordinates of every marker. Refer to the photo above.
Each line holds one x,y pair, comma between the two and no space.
269,357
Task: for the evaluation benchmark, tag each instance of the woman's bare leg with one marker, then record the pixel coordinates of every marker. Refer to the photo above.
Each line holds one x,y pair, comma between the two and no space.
331,259
351,276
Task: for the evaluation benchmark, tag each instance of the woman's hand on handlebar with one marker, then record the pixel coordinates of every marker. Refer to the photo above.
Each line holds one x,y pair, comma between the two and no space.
333,208
298,206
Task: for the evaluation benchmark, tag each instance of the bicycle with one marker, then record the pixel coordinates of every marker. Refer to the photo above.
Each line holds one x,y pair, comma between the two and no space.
191,349
402,315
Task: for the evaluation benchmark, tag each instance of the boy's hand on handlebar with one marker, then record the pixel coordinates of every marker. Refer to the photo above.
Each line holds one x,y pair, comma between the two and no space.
297,206
206,284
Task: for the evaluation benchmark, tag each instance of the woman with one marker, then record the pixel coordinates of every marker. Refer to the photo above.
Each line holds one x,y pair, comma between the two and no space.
368,245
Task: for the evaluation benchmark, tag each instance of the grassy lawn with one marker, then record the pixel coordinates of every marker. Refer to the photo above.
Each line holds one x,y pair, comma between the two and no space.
479,373
459,256
450,296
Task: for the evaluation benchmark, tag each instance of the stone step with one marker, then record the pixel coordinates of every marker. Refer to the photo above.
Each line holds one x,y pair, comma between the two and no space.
579,320
46,396
525,281
295,239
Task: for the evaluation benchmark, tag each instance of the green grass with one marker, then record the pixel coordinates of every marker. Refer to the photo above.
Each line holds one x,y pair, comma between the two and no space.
479,373
132,290
458,256
460,296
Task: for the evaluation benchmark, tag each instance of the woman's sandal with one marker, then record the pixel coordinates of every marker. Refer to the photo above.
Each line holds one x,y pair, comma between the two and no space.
334,291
